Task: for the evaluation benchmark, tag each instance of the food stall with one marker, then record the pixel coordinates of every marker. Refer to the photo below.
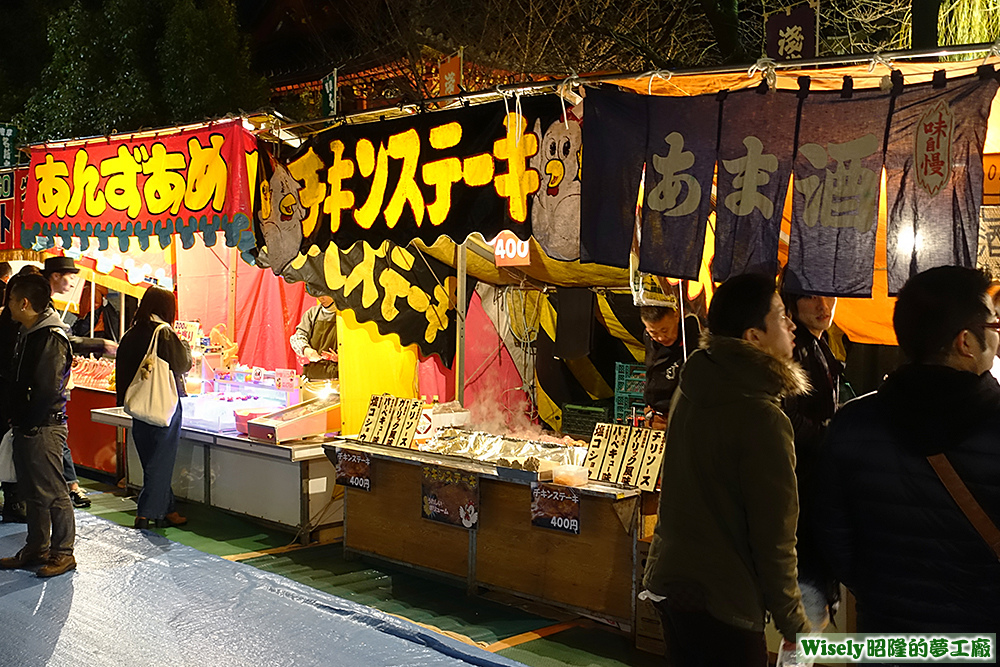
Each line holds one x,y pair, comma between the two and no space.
549,519
253,448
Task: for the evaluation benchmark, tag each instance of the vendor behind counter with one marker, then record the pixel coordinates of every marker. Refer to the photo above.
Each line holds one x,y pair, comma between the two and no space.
315,339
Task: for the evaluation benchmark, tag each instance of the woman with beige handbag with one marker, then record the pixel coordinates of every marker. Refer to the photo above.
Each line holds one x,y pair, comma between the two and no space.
150,362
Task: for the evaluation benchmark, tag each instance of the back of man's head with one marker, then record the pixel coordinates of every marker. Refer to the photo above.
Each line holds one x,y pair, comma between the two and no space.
741,303
5,270
34,288
936,305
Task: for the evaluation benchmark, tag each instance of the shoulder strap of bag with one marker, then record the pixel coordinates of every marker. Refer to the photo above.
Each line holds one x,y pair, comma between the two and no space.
966,502
153,341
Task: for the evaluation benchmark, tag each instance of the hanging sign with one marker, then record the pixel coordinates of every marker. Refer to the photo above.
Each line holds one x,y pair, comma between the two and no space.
185,181
354,469
450,73
508,250
447,173
8,141
791,32
934,174
328,97
555,507
450,496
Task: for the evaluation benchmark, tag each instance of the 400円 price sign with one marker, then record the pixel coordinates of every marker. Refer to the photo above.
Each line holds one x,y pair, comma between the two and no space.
555,507
354,469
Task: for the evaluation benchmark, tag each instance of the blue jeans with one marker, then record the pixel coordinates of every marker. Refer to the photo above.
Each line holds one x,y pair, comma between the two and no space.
69,470
157,449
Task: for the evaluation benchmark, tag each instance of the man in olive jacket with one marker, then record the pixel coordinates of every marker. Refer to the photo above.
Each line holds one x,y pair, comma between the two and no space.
723,553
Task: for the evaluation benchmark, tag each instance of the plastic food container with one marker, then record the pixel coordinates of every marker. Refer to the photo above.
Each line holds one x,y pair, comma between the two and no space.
570,475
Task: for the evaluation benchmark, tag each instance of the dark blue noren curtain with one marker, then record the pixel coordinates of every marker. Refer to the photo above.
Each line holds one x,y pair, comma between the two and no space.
838,168
934,171
756,149
614,145
680,161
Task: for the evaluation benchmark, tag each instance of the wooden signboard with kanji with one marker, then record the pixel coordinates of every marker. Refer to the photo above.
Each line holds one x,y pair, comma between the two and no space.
626,455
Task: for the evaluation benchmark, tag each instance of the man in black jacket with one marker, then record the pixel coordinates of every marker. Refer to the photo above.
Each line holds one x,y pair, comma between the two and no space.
667,348
38,396
887,524
59,271
810,415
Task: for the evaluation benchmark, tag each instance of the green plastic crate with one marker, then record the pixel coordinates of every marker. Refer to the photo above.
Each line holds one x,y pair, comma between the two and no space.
630,379
624,405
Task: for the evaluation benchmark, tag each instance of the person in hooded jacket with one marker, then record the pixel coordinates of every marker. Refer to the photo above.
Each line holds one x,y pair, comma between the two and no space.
38,395
723,551
891,531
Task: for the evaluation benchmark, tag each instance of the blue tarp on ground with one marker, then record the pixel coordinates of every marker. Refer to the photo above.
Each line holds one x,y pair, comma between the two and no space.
139,599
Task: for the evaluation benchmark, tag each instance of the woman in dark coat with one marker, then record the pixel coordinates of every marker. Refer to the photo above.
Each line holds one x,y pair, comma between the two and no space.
156,445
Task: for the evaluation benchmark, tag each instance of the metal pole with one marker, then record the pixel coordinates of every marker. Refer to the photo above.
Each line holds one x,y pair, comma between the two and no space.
121,320
93,287
460,326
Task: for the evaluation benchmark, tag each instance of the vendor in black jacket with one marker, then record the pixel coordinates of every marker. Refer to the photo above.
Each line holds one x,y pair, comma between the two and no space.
810,415
666,351
38,395
887,524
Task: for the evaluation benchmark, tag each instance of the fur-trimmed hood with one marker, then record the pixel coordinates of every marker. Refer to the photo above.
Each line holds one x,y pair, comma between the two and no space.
726,369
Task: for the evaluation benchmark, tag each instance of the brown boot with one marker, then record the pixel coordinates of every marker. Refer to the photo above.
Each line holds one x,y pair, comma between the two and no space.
24,560
57,565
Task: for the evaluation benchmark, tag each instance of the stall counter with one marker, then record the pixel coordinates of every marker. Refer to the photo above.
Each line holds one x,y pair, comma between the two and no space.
289,485
591,573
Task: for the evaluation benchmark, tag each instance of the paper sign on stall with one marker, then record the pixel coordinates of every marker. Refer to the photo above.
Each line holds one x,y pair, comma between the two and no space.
354,469
595,454
188,331
612,467
450,496
638,442
626,455
652,460
555,507
391,420
371,419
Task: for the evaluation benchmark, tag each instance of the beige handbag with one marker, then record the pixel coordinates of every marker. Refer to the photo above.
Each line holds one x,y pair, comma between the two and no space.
152,396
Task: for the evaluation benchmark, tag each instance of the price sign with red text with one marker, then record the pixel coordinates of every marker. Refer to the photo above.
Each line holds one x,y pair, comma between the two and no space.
508,250
991,179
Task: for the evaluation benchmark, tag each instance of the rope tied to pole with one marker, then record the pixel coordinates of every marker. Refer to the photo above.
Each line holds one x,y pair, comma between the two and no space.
768,69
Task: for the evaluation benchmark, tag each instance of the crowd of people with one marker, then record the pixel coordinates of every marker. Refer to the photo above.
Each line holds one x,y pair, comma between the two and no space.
36,356
773,493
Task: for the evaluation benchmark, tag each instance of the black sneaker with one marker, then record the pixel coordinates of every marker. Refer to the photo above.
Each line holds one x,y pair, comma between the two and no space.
79,499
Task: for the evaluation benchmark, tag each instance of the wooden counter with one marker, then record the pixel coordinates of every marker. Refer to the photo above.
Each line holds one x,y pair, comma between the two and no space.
590,573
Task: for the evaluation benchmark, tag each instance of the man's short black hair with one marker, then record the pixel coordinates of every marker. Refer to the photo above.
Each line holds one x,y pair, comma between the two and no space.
741,303
34,288
654,314
935,306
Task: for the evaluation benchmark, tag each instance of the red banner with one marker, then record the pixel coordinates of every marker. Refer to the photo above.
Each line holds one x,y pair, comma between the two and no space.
183,181
11,201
